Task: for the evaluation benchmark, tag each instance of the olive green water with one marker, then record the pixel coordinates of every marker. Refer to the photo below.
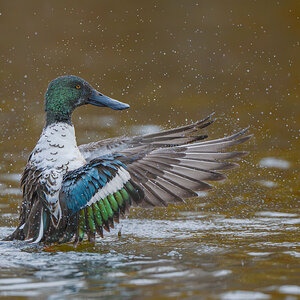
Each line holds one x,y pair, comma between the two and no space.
174,62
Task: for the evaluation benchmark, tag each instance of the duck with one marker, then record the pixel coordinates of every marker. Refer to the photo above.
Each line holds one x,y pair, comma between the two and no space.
72,193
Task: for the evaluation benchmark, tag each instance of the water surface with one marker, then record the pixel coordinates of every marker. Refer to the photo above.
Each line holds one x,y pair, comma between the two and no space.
173,62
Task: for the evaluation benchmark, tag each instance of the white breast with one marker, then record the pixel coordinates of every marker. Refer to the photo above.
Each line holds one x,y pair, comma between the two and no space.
57,148
55,154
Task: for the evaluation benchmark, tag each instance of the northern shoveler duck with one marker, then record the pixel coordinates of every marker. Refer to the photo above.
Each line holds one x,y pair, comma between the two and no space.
70,192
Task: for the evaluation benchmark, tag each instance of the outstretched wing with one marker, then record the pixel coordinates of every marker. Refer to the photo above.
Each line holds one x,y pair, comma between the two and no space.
172,174
174,164
168,138
92,198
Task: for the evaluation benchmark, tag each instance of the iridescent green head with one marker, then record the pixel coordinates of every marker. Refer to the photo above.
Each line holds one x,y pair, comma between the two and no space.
66,93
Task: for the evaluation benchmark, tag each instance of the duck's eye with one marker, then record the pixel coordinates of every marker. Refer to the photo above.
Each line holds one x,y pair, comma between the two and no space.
78,86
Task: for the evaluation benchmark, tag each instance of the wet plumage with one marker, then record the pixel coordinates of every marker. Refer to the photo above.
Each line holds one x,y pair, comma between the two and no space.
71,192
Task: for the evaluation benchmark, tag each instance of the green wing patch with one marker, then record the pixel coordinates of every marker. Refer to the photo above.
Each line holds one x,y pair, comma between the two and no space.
103,213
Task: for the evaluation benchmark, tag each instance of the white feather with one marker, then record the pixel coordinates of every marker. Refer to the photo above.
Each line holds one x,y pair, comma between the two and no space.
41,232
112,186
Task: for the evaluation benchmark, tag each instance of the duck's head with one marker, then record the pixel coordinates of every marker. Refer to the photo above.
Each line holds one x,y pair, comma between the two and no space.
66,93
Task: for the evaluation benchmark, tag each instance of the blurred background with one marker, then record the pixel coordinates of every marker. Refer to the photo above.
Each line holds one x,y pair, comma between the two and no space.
174,62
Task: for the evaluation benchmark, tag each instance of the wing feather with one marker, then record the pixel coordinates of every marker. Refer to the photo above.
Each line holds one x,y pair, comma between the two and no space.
182,171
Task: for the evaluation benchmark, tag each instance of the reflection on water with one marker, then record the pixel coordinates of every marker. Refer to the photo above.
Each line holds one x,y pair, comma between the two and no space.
173,62
273,162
